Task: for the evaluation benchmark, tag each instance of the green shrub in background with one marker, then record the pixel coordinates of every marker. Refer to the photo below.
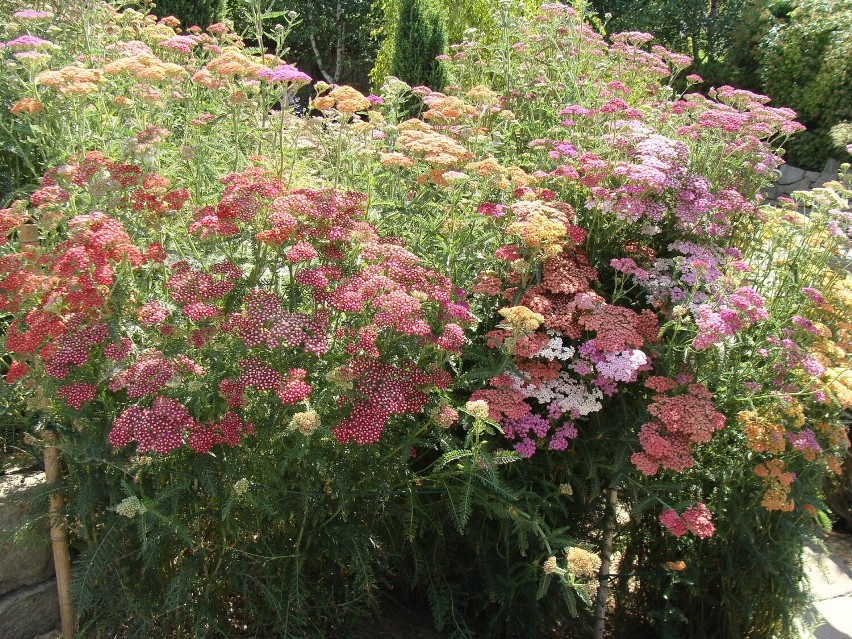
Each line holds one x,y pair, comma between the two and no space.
807,65
488,18
192,12
420,37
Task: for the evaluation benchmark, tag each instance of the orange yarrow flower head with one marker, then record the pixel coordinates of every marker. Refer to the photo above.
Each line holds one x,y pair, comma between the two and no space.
344,99
71,80
435,148
26,105
233,64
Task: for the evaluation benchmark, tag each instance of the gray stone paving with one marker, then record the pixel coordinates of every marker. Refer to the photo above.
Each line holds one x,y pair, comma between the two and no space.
831,582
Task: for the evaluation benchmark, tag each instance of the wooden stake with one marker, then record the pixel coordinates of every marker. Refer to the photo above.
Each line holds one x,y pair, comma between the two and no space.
28,234
606,561
59,537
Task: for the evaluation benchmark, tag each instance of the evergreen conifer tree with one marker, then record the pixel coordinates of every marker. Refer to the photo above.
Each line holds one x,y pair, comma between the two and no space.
420,37
192,12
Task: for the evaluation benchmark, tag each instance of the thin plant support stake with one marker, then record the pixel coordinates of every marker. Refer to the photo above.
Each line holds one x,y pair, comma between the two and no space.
59,537
28,235
606,560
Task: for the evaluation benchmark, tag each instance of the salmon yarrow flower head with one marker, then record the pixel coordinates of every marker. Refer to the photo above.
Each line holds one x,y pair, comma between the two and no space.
679,423
344,99
146,67
435,148
233,64
448,109
445,416
26,105
695,519
395,159
71,80
480,94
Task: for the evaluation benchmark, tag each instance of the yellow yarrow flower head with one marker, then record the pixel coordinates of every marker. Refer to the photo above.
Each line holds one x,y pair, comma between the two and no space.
582,562
521,318
305,422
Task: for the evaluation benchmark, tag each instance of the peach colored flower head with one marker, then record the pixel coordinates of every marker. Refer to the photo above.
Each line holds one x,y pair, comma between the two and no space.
26,105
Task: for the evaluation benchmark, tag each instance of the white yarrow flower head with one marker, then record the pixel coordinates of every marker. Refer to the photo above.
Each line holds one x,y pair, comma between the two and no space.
241,486
477,408
130,507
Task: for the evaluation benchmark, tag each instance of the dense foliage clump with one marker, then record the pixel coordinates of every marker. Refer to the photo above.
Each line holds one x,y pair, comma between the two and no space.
539,353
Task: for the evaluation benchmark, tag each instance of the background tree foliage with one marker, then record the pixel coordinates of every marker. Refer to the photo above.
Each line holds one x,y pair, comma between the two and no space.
798,52
332,40
806,63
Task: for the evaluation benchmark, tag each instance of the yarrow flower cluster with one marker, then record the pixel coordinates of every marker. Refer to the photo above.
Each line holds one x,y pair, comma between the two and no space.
385,295
680,422
131,507
695,519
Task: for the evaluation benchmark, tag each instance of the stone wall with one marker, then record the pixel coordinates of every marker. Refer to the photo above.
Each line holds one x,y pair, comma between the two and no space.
28,601
796,179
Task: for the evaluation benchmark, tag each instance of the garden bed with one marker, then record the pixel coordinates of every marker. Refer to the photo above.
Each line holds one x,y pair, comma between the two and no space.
455,347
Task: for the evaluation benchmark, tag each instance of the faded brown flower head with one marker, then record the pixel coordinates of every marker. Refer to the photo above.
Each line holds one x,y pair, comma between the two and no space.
582,562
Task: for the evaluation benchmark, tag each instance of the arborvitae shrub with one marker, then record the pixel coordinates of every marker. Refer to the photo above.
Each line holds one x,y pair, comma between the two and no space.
192,12
420,38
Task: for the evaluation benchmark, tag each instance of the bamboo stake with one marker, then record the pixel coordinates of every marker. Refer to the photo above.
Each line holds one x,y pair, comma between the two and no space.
59,537
606,560
27,236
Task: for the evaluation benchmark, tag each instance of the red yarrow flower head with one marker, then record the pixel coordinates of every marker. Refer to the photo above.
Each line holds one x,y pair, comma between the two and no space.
77,394
695,519
301,252
17,370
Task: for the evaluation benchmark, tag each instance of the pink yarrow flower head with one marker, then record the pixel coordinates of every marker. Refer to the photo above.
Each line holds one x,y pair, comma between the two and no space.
284,73
32,14
695,519
28,43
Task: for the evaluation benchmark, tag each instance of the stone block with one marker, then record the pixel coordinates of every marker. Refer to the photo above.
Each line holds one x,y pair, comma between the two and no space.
790,174
829,173
29,561
30,611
